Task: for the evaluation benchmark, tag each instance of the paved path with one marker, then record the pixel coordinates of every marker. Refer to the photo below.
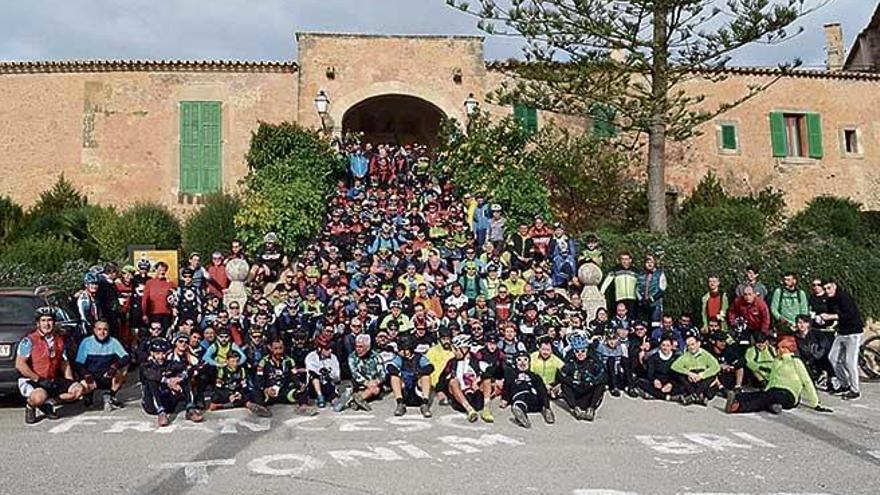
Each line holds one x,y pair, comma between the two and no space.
634,447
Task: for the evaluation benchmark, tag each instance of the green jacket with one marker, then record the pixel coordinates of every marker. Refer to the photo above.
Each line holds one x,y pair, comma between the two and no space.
789,373
702,362
788,304
546,368
760,362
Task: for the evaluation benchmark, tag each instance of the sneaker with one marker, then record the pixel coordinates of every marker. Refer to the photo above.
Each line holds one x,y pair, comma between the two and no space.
195,416
258,410
425,409
48,408
614,392
687,400
851,395
400,410
486,414
701,400
676,398
30,414
320,402
578,413
472,416
632,392
590,414
343,401
549,417
361,403
520,417
116,402
731,405
163,420
105,399
838,390
776,408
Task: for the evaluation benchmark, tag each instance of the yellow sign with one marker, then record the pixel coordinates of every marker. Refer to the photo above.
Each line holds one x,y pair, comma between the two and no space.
154,256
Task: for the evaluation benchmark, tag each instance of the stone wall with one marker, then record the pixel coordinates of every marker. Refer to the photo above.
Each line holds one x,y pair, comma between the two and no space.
115,133
842,101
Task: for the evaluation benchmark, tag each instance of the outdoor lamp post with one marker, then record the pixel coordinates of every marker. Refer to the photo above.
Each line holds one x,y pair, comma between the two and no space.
322,105
471,105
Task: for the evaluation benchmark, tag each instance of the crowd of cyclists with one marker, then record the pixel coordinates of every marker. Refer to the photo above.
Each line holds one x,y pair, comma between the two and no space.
432,298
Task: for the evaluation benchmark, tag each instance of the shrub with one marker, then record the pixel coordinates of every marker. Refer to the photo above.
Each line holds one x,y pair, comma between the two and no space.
293,171
143,223
726,219
495,159
63,196
827,216
211,227
11,216
69,277
40,254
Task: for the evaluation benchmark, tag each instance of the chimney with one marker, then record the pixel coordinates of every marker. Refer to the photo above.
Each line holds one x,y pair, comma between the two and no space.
834,47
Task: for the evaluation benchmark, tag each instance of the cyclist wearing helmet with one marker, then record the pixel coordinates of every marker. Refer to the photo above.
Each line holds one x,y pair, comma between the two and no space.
525,392
270,260
46,375
410,376
87,305
143,270
583,379
166,387
233,390
466,382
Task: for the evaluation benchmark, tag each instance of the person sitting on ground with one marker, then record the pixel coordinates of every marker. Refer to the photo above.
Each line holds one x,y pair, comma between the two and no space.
46,375
547,365
583,379
276,380
660,381
367,374
788,385
696,368
615,357
525,392
324,372
102,363
730,357
166,386
464,380
232,389
759,360
438,355
813,347
410,376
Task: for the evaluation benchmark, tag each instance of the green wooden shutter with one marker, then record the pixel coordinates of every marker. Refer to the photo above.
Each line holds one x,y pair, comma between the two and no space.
603,120
777,135
527,117
200,151
728,137
814,135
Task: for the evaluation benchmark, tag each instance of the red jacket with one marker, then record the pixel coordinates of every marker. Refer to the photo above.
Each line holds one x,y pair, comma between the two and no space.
45,364
757,314
155,299
219,281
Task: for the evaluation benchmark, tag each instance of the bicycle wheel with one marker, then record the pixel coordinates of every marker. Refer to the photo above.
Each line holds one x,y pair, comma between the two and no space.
869,358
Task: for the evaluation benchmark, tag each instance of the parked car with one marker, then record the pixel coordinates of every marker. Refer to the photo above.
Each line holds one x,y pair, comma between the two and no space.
17,307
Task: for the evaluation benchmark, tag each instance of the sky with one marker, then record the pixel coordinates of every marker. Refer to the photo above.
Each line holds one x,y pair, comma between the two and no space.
264,29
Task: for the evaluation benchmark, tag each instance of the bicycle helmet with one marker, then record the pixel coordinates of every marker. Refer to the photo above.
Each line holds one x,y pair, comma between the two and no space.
90,278
159,345
578,342
44,311
144,264
461,340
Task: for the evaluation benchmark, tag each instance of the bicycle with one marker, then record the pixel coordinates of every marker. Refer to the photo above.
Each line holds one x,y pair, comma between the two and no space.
869,358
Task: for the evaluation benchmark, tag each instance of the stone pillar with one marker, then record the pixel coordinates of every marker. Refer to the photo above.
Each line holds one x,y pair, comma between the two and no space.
834,49
237,271
590,276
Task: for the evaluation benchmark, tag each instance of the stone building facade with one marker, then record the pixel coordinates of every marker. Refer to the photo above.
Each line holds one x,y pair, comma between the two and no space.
172,131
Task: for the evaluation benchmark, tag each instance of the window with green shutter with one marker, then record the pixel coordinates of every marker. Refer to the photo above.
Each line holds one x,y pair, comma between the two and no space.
727,137
604,118
200,150
797,135
527,117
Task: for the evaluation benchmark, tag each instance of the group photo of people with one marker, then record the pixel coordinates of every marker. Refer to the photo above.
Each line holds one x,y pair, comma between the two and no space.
417,296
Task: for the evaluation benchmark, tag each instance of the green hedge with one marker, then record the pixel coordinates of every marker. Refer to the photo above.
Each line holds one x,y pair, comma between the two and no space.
41,254
143,223
68,277
211,227
688,260
829,216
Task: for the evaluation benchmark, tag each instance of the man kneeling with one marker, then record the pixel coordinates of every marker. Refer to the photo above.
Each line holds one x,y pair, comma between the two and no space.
102,362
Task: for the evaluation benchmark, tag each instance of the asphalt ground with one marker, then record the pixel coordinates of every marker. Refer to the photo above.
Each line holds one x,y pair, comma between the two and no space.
633,447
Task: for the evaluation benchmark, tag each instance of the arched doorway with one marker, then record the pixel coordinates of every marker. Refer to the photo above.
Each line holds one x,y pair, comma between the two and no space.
398,119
